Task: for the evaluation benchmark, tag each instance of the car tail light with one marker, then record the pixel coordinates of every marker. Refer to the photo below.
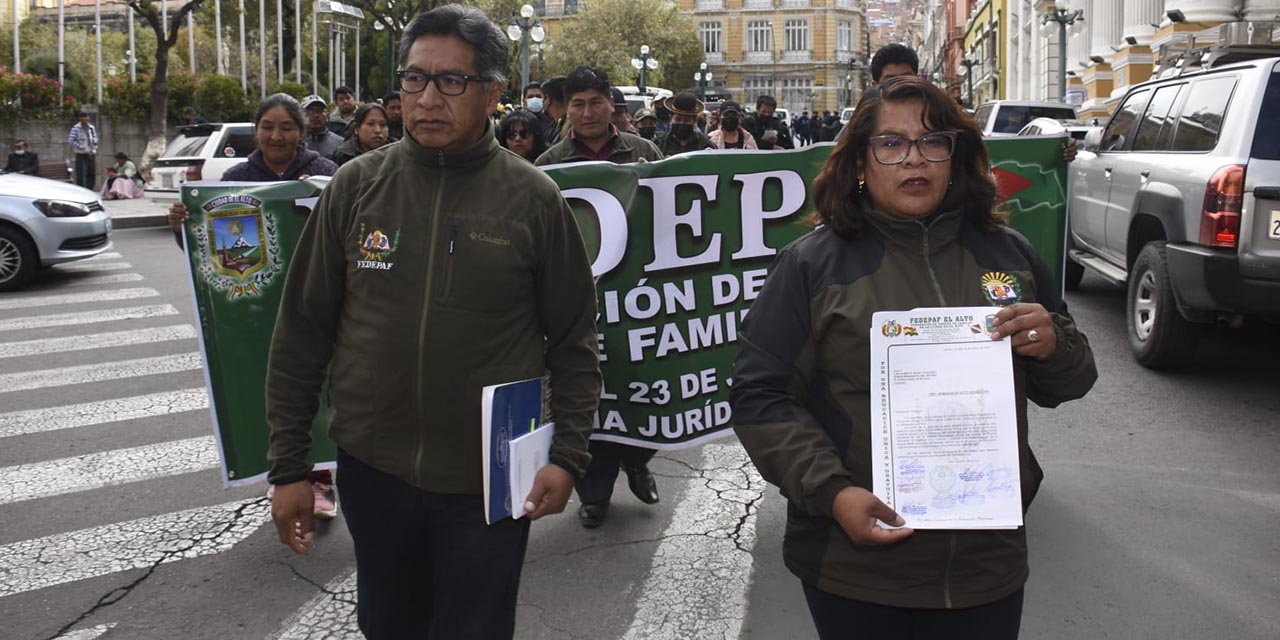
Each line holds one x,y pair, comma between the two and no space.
193,173
1223,200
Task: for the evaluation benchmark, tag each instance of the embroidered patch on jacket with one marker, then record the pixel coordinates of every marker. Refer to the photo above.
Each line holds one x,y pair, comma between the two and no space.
1000,289
237,246
376,249
490,238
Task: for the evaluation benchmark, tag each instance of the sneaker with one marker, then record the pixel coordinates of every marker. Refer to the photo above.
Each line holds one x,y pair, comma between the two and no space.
326,502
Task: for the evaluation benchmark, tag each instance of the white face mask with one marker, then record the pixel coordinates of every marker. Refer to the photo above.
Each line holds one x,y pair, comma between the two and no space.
535,105
20,151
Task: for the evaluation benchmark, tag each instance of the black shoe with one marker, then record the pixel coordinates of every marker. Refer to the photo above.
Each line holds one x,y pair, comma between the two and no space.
591,514
642,484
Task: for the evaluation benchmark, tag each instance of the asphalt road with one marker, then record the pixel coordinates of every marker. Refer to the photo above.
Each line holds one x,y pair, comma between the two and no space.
1157,519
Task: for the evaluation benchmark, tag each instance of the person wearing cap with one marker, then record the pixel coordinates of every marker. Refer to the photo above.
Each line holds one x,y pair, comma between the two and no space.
646,124
683,136
621,117
189,116
318,137
731,135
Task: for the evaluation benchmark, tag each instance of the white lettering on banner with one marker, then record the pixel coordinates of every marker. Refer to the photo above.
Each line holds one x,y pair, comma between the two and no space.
612,218
753,214
666,222
682,337
688,422
612,421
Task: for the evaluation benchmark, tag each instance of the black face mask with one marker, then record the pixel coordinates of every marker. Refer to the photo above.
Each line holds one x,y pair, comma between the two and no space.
647,132
682,131
729,124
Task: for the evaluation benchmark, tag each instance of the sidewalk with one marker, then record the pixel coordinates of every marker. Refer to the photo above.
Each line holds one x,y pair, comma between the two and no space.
138,212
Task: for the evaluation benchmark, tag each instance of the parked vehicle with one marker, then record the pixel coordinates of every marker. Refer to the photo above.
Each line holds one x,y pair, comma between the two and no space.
1007,117
199,152
846,115
46,222
1182,202
1077,129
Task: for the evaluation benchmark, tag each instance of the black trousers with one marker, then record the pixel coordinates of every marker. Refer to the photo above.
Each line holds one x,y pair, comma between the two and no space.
839,618
596,485
427,566
85,176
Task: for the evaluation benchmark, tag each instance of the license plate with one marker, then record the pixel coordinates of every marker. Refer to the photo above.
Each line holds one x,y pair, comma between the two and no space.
1273,226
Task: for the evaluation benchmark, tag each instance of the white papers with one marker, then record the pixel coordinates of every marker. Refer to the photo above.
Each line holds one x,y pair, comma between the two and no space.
529,453
944,426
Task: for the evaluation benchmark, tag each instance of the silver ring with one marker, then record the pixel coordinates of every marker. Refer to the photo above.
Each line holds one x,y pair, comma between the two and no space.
1033,335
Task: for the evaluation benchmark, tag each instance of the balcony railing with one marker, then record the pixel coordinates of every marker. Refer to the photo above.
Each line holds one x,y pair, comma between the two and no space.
715,58
846,4
797,56
708,5
795,4
757,4
757,57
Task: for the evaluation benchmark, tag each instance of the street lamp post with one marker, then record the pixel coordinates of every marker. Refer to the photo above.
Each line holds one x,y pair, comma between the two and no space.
644,64
1064,18
523,29
702,76
968,72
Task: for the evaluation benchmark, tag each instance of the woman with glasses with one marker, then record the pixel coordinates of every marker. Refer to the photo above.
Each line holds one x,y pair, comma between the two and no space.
905,218
369,131
521,132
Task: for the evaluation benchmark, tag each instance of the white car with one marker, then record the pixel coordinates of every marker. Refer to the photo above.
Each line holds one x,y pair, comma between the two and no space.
47,222
199,152
1077,129
1003,118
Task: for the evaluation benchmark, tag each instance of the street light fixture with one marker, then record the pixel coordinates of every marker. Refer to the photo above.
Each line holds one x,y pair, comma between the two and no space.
968,73
702,76
523,29
1064,18
644,64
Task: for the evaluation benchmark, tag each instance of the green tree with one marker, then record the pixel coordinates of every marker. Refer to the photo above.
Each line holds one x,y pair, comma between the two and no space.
609,33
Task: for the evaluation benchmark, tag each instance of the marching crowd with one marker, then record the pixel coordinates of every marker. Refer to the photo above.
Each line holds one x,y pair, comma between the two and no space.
406,347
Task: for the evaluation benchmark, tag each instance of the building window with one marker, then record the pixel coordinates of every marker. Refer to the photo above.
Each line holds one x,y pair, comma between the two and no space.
712,37
756,86
570,7
797,94
797,32
759,35
844,36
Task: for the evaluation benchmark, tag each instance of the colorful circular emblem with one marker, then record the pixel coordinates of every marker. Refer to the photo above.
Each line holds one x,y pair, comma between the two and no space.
1000,288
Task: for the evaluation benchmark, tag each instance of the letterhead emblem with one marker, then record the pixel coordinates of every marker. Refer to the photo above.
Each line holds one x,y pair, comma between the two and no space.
891,329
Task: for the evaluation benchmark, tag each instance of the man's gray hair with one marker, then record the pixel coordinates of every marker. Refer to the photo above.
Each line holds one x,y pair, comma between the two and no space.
472,26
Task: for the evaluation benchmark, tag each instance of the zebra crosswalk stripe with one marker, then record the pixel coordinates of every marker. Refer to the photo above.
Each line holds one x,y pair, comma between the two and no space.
20,423
329,614
81,374
96,341
106,468
109,295
39,563
92,633
94,266
87,317
114,278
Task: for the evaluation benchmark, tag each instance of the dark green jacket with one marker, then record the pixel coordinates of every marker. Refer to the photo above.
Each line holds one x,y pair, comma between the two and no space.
801,397
628,148
421,277
348,150
669,145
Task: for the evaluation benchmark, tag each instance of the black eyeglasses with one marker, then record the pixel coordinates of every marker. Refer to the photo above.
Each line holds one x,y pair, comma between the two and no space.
449,84
522,134
894,149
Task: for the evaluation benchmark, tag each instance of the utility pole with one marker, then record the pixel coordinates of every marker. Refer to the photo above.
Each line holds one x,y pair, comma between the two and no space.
968,74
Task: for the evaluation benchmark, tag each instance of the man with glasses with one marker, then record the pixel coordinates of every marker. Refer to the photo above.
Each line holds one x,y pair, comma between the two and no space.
430,269
22,160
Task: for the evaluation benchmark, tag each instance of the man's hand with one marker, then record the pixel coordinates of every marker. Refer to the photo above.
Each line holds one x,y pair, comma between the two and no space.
857,510
551,489
178,215
1070,149
291,509
1029,327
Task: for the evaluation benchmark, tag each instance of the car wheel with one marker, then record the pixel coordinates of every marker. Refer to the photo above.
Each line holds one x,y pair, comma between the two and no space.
1159,336
18,259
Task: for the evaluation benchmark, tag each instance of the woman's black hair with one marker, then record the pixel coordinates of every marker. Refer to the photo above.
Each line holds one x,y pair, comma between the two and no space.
841,204
284,101
531,124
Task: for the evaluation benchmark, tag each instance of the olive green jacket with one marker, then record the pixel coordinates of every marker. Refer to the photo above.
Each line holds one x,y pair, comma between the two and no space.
628,148
421,277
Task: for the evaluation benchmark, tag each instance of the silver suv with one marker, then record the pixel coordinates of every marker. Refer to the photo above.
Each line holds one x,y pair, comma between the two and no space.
1180,196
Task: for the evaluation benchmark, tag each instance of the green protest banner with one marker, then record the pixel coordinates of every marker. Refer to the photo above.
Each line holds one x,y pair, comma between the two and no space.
1033,188
680,248
239,240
